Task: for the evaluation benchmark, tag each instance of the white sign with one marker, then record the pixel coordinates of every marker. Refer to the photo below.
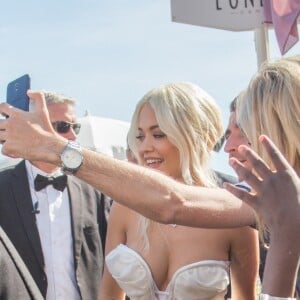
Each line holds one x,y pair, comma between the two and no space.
234,15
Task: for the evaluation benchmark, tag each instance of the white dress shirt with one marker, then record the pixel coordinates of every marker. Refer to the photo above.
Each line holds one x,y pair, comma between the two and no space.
54,226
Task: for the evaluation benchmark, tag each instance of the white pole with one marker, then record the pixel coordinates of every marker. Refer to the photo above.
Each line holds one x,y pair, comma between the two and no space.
261,44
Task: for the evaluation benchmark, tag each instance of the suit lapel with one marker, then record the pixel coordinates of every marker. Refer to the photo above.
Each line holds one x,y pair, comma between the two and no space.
75,197
22,196
22,270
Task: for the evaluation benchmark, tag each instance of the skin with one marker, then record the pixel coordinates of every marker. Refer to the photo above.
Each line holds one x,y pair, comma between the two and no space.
234,137
31,136
275,197
157,152
59,112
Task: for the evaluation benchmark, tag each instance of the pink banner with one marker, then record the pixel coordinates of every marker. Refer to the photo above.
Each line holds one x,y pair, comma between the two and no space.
283,14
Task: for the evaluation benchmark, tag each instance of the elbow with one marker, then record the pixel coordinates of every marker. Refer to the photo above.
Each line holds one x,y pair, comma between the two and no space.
169,213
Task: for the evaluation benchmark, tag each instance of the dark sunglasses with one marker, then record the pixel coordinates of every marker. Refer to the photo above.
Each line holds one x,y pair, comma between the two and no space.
64,127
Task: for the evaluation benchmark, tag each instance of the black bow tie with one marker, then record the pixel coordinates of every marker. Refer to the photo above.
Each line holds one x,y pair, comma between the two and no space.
59,183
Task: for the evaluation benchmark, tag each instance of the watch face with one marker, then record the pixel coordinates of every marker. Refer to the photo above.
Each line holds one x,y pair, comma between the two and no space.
72,158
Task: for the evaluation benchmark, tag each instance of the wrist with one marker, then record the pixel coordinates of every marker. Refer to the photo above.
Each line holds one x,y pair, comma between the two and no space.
54,149
286,240
281,268
71,158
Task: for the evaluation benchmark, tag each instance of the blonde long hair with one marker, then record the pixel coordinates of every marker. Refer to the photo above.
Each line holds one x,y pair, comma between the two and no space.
271,105
192,122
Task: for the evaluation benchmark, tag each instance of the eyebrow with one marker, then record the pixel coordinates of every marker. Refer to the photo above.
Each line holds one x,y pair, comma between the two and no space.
227,132
151,128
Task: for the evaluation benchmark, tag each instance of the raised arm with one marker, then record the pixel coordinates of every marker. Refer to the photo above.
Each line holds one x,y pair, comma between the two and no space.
31,136
276,198
164,200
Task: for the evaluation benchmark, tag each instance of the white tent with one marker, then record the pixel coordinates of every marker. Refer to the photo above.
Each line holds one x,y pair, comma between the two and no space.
104,135
6,161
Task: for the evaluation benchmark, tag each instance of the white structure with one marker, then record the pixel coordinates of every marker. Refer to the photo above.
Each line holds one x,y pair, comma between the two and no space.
107,136
231,15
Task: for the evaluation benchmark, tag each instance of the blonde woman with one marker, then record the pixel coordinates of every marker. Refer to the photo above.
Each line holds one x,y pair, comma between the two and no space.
173,131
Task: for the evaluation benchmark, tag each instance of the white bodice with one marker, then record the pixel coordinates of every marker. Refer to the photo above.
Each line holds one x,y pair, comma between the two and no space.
203,280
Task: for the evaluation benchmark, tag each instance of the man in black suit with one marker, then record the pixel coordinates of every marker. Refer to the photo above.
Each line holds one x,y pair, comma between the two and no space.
16,282
57,224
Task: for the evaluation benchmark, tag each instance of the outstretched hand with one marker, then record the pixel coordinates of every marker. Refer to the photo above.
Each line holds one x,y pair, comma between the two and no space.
27,135
275,192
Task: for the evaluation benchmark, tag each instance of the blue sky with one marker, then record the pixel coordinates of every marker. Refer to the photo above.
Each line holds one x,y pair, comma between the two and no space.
108,54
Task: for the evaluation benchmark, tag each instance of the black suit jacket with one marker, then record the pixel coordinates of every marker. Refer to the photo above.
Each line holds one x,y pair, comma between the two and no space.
15,281
88,228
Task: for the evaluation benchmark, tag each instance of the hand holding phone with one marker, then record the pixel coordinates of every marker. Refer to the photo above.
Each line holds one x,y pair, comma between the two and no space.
17,92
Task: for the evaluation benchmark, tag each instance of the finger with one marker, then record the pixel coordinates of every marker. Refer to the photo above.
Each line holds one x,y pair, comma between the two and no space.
255,161
3,115
2,135
6,109
2,130
275,155
2,123
40,107
38,98
246,197
244,174
7,152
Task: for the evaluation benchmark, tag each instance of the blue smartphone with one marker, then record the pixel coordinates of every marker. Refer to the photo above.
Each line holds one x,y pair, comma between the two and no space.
17,92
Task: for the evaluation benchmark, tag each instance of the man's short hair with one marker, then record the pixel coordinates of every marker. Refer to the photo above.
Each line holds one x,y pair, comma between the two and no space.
57,98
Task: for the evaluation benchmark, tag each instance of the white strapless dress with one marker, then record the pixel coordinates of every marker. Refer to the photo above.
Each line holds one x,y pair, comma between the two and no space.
203,280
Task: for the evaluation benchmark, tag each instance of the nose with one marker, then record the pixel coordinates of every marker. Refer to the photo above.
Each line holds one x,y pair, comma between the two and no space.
146,145
229,146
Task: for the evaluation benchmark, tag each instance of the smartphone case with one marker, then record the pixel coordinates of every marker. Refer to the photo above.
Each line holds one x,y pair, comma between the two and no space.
17,92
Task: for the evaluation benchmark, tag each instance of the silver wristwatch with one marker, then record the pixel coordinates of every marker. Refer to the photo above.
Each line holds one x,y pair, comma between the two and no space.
71,158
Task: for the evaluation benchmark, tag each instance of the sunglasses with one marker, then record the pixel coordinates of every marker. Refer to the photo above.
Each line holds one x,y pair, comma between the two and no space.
64,127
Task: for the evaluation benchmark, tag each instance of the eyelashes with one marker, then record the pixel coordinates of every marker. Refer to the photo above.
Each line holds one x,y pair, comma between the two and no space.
156,136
